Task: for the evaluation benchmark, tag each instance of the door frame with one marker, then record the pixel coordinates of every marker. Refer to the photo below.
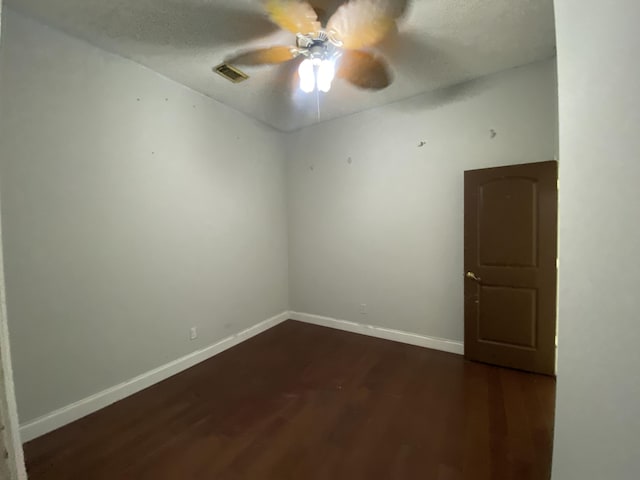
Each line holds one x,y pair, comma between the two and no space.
11,462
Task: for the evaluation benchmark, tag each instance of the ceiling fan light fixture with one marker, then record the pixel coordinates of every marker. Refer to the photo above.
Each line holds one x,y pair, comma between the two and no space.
326,74
307,76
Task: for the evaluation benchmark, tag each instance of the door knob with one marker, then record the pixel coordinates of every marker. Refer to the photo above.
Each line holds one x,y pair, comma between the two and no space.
473,276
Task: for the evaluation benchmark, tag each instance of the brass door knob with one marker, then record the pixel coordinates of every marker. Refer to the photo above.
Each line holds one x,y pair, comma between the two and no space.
473,276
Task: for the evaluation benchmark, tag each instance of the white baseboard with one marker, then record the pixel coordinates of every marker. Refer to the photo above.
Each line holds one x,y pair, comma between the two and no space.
93,403
84,407
434,343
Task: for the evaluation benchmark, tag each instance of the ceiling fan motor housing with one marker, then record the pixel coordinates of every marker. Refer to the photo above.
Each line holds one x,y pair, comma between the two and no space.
317,45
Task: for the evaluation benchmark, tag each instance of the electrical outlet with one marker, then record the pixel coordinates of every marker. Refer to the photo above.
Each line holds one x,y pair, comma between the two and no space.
363,309
193,333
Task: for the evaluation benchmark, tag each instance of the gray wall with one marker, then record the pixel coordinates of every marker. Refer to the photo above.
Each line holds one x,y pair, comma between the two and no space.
126,222
387,229
598,402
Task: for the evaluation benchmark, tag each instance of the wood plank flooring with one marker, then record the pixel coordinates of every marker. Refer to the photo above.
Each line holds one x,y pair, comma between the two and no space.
305,402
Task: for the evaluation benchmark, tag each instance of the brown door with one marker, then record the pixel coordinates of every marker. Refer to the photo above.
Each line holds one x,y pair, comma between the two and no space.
510,248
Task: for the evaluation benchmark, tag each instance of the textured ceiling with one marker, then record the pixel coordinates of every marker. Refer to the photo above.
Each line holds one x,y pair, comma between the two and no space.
439,43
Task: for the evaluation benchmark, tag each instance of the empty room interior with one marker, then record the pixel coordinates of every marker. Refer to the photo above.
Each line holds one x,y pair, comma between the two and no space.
319,239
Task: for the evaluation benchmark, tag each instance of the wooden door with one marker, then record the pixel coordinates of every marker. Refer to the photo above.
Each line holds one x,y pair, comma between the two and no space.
510,250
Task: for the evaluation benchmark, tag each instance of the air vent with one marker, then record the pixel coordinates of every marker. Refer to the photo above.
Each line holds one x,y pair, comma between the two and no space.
230,73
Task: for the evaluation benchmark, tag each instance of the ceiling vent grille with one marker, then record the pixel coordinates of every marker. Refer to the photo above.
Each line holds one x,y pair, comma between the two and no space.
231,73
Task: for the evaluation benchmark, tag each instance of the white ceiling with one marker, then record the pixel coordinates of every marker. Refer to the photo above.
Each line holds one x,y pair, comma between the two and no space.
440,43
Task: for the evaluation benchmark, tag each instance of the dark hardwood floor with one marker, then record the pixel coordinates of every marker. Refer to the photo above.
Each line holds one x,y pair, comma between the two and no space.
304,402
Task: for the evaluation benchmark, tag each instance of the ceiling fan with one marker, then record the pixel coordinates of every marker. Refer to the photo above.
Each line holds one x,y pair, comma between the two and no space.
330,47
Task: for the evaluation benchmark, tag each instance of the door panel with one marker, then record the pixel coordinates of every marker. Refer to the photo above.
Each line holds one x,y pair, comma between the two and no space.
515,218
510,265
500,306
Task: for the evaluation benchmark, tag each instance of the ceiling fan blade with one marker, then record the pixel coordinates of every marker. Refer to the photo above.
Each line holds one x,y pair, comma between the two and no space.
364,70
263,56
362,23
321,13
296,16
